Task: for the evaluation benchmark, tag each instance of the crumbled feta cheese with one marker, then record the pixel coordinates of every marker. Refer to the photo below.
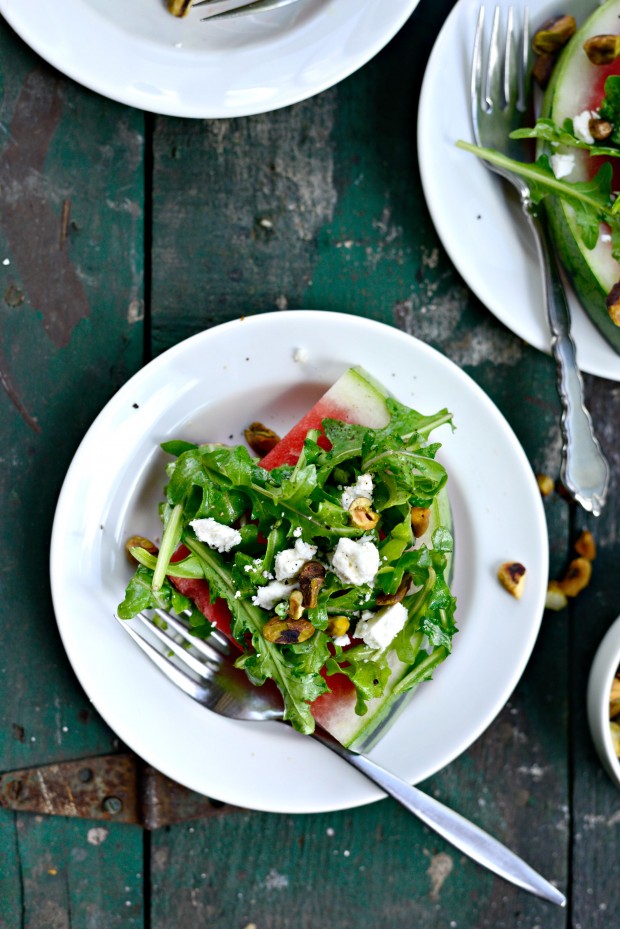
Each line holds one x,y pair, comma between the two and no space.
562,165
216,535
297,532
581,126
342,640
355,562
300,356
290,562
378,629
267,596
363,487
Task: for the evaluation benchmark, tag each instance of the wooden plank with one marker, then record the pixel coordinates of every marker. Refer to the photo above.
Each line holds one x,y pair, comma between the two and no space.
71,333
595,799
336,181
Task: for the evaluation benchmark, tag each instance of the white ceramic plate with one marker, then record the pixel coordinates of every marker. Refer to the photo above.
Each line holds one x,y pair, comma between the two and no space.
209,388
479,223
134,51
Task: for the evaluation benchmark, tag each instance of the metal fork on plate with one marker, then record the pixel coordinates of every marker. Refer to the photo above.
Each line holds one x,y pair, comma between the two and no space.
204,669
499,98
221,8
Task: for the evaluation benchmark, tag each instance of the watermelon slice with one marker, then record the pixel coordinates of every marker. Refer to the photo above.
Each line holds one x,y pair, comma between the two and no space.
354,398
578,85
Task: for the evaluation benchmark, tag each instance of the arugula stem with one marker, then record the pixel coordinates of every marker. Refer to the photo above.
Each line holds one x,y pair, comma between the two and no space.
530,172
170,540
423,671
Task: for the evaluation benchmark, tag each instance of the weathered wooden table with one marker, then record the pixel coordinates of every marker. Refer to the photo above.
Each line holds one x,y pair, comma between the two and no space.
123,234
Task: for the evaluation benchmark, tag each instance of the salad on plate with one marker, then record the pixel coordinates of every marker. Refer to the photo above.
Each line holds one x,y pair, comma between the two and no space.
324,556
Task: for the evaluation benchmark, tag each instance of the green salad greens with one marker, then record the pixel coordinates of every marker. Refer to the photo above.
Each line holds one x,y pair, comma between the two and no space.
308,556
594,201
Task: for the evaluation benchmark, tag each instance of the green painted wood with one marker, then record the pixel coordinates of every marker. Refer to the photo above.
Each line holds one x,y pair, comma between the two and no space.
266,235
71,256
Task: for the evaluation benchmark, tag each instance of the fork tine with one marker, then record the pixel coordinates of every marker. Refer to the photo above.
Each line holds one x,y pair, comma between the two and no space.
204,668
493,80
476,66
524,69
512,78
203,646
182,680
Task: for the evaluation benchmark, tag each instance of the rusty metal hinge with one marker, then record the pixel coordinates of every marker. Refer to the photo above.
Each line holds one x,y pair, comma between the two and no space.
119,788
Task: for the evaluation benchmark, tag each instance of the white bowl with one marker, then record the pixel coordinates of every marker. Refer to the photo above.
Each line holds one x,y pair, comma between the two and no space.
604,667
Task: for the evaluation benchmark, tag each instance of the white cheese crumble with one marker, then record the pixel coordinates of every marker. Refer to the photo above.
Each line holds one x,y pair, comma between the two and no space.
300,356
216,535
562,165
267,596
290,562
363,487
378,629
581,126
354,562
342,640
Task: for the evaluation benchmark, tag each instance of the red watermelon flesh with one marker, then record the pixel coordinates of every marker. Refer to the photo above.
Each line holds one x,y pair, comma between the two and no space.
354,398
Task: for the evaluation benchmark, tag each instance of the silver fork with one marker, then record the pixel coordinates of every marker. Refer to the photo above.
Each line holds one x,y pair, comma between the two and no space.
224,8
499,99
204,670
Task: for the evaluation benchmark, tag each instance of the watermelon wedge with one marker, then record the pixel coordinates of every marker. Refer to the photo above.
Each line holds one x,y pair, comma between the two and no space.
577,85
355,398
329,551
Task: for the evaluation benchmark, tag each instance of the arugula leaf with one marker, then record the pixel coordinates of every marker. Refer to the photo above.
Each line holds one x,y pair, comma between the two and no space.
610,106
549,131
140,595
592,201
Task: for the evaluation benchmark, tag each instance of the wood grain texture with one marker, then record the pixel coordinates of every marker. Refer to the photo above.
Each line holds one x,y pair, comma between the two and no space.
319,205
70,334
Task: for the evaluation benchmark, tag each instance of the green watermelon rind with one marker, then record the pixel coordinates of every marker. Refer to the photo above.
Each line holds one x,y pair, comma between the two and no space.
363,399
365,731
589,276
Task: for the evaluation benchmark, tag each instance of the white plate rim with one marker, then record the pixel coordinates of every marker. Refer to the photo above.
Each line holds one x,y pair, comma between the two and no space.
450,176
108,61
507,622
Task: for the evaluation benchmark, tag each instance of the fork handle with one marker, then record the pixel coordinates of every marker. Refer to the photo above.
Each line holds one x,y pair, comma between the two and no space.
584,470
453,827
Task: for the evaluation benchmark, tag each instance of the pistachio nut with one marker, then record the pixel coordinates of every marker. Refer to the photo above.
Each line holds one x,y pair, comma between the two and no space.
338,625
612,303
586,545
362,514
296,605
287,631
577,577
420,519
139,541
390,599
602,49
310,580
511,576
260,438
554,34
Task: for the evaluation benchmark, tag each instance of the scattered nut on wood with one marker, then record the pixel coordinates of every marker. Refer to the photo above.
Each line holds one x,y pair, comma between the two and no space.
586,545
577,577
546,484
556,599
511,575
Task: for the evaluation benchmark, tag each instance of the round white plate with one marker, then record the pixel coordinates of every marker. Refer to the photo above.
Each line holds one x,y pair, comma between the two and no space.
209,388
134,51
478,221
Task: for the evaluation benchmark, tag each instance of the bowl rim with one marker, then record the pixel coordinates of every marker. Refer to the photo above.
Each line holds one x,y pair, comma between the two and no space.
604,667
